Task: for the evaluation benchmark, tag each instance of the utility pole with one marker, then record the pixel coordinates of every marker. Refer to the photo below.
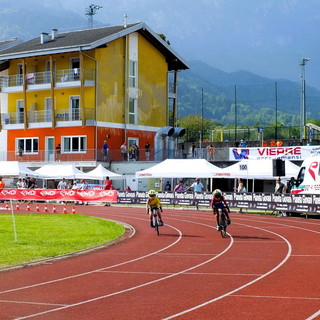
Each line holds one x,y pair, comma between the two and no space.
303,99
90,12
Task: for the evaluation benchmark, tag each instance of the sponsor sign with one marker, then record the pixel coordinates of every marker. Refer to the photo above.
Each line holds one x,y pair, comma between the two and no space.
268,153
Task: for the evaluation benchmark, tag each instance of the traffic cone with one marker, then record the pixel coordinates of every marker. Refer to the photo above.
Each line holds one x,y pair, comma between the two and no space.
73,210
45,208
37,208
7,206
64,209
17,206
28,206
54,209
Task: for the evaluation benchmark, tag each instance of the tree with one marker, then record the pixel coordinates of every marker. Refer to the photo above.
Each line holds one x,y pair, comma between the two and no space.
194,125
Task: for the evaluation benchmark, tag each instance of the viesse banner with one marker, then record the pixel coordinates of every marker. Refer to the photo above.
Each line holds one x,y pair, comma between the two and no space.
63,195
267,153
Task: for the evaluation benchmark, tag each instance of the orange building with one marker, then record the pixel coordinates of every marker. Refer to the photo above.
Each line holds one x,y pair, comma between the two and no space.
81,88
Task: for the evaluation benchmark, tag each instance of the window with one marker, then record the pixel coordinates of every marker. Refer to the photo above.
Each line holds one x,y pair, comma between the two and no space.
74,144
28,145
133,74
132,111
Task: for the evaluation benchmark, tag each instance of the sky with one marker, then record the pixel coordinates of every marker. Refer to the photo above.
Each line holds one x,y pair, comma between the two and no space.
265,37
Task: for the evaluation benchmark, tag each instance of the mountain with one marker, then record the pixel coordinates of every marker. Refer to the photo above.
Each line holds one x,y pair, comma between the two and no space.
215,93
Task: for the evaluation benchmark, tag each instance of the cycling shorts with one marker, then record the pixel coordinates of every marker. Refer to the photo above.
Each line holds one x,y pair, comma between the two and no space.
219,205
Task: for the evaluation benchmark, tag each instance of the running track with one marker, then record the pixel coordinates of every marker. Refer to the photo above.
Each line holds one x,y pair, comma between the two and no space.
269,268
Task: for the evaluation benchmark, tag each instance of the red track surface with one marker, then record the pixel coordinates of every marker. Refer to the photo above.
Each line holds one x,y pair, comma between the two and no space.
269,268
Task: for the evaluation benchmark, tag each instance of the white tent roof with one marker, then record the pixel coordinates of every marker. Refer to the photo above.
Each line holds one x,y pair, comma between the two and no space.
256,169
59,171
16,169
180,168
100,173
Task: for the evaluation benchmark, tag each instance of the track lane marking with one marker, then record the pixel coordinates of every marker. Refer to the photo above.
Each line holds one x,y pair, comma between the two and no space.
314,316
135,287
96,270
243,286
274,297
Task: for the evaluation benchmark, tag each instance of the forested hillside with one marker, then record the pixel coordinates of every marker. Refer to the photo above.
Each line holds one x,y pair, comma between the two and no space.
216,93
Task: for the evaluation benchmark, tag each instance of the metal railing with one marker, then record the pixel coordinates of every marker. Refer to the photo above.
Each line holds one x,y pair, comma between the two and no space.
40,78
37,116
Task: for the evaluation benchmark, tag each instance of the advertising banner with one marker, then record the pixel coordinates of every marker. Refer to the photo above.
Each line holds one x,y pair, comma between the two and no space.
62,195
267,153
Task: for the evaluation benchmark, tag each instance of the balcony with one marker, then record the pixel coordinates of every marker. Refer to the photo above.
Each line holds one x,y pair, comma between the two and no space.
45,117
36,81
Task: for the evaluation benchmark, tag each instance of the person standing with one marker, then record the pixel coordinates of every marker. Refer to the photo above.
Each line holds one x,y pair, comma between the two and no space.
107,184
20,184
241,188
2,183
58,152
20,152
179,187
194,148
123,150
167,186
147,148
136,152
211,152
105,151
62,185
197,186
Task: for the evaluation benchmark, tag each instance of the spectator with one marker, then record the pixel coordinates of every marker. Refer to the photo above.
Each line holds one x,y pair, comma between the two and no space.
83,185
194,148
20,152
105,151
241,188
197,186
279,186
20,184
62,185
183,151
179,187
147,148
123,150
131,152
211,152
108,184
32,183
128,188
58,152
167,186
136,152
2,183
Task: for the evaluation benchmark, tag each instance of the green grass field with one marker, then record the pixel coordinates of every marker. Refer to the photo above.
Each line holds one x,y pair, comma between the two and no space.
42,236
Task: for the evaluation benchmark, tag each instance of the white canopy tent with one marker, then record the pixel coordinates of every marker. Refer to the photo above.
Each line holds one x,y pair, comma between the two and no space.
59,171
100,173
256,169
16,169
180,168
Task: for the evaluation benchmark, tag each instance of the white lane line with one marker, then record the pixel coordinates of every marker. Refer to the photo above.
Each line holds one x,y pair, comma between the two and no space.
96,270
133,288
188,273
35,303
241,287
275,297
314,315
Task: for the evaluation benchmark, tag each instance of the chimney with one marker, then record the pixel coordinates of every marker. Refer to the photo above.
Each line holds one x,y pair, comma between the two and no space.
44,38
125,21
54,34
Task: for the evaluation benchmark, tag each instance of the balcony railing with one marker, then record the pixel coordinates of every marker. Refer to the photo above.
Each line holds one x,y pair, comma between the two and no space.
221,154
34,79
38,116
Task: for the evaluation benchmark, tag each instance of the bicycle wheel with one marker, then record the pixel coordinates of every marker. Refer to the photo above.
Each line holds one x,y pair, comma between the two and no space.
156,222
223,224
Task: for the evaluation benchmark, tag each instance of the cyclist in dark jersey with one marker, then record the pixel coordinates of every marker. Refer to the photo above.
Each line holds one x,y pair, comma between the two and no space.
218,201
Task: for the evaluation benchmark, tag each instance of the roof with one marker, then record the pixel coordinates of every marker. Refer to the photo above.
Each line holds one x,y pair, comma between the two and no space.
89,39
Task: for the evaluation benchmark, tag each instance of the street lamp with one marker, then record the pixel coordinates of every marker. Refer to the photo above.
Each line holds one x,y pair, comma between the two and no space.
303,98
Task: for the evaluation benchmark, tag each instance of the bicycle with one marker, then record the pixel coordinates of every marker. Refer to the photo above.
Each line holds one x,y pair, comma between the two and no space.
156,220
223,223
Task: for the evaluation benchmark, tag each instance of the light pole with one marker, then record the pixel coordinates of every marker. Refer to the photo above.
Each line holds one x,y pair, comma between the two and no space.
303,99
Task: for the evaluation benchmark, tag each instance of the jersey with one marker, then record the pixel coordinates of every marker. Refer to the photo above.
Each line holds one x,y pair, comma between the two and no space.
154,202
218,202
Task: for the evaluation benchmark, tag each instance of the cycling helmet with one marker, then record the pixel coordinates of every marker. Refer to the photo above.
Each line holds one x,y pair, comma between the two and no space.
152,193
217,193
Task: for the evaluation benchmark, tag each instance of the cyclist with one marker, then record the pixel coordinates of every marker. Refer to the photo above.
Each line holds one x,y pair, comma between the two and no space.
154,202
218,201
